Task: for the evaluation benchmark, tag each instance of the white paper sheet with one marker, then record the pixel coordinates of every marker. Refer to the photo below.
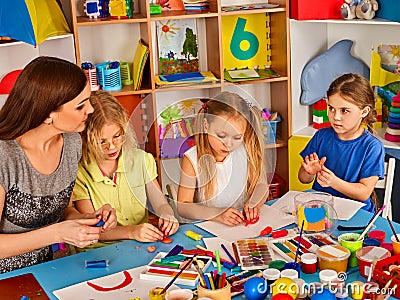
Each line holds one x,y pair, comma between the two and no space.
345,208
214,243
137,288
269,216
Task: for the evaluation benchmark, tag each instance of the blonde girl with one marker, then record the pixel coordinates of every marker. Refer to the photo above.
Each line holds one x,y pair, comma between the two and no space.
114,170
352,158
223,176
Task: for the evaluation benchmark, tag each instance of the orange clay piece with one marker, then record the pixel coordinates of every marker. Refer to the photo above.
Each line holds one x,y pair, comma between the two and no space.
166,240
151,248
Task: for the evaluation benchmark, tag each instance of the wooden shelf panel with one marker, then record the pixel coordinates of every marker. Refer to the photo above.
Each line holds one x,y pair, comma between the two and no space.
128,90
86,21
253,11
182,14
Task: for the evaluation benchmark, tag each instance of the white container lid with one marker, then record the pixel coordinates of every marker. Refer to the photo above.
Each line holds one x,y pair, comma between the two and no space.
327,275
271,274
309,258
289,273
302,287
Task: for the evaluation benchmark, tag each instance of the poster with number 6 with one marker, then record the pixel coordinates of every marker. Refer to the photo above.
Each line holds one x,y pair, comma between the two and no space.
246,41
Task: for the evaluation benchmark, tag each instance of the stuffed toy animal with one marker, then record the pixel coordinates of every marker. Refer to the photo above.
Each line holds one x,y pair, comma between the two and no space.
362,9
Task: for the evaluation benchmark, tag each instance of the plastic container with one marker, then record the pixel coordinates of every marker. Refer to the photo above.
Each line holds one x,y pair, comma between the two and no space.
309,263
276,187
289,273
395,244
316,210
334,257
109,79
382,275
302,288
351,242
371,242
327,276
270,275
269,129
155,294
293,265
367,254
377,234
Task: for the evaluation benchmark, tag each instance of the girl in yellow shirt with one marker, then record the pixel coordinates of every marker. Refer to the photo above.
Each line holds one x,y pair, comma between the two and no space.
113,170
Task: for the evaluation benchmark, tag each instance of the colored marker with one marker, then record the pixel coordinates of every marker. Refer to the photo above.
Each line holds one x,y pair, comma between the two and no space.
229,255
218,261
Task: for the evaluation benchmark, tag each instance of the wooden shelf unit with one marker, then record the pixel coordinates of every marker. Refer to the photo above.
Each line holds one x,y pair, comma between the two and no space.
111,39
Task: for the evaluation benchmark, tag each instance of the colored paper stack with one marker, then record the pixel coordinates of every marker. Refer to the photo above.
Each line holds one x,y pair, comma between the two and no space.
320,114
393,127
378,108
196,5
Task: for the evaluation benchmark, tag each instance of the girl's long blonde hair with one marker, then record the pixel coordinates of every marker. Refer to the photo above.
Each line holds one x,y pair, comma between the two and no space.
230,105
107,109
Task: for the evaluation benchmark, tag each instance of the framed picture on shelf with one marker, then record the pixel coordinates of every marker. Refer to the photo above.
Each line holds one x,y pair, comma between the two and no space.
177,46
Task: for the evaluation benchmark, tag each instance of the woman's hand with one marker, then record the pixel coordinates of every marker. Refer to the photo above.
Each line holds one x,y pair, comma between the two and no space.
230,217
108,215
146,233
168,225
312,164
79,232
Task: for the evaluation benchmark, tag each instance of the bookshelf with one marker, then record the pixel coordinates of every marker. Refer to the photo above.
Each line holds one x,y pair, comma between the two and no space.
320,35
99,40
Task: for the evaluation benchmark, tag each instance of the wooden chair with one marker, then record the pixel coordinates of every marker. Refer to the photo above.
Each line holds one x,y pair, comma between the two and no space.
387,185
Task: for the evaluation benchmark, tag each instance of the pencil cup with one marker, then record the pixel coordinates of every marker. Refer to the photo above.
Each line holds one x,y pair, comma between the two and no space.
218,294
395,244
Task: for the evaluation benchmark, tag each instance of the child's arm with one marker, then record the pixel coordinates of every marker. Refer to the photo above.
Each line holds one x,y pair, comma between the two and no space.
167,221
361,190
309,167
142,233
190,210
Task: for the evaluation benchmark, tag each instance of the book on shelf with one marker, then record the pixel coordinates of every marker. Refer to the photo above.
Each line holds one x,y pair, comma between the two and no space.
139,62
206,77
177,46
241,75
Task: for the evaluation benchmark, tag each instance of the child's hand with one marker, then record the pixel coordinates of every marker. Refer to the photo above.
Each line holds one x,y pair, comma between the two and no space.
107,214
168,225
251,213
146,233
326,178
312,164
230,217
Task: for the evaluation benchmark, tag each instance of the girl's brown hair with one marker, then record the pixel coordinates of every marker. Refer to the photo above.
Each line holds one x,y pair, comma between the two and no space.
42,87
230,105
357,90
107,109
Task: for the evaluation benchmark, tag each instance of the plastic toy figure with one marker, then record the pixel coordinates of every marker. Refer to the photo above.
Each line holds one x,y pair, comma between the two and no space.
92,8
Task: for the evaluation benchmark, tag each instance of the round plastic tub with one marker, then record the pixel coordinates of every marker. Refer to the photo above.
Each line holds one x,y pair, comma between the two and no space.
334,257
366,255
